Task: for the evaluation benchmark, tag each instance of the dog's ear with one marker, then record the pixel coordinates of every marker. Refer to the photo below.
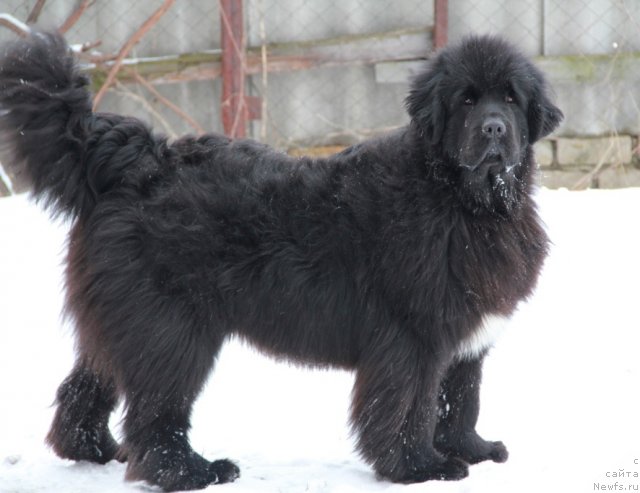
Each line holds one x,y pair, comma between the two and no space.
542,115
425,104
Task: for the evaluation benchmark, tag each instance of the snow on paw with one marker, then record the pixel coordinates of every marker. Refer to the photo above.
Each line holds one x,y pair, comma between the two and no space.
225,470
178,468
449,469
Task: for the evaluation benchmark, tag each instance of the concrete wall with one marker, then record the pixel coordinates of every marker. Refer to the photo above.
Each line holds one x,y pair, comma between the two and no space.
600,162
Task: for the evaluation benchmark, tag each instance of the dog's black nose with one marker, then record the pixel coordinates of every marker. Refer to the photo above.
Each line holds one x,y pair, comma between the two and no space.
494,127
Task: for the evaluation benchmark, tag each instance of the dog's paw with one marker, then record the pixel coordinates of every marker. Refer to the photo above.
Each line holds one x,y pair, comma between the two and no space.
446,469
452,469
498,452
225,470
472,449
179,469
82,444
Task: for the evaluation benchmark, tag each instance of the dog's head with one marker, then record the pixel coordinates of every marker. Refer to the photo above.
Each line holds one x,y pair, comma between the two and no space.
479,106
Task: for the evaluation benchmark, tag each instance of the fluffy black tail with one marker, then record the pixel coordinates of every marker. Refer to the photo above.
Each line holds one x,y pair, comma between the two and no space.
50,138
44,104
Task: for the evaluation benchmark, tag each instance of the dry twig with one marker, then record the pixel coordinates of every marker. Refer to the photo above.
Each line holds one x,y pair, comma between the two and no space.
14,24
89,45
610,151
126,48
586,180
121,88
35,12
75,15
176,109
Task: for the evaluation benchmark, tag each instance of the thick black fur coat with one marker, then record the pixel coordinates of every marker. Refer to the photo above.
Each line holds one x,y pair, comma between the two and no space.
392,258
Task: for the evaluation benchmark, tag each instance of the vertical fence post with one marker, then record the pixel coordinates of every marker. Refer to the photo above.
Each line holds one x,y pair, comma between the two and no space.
440,23
234,108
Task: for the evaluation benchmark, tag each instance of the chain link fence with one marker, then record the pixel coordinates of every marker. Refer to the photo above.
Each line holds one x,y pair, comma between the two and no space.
320,82
346,91
186,27
332,72
591,52
590,49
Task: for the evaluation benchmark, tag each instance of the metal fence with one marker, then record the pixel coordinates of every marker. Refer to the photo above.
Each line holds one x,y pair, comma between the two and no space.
308,73
309,69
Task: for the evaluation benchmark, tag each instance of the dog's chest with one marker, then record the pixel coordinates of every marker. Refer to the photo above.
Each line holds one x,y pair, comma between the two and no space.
483,337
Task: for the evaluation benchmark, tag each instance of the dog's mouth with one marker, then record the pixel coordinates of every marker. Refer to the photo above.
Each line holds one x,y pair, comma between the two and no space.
491,160
492,164
491,179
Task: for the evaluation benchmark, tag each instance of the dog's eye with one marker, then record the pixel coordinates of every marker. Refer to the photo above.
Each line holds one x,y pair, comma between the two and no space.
469,100
509,99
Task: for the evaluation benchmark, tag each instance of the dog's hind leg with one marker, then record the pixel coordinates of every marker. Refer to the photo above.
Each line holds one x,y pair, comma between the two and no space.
459,409
80,428
159,389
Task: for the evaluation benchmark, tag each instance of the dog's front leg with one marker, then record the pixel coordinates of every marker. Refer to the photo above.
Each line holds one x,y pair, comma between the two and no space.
459,409
394,412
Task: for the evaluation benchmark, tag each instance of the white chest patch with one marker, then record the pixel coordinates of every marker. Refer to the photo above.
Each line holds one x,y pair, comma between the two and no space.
483,337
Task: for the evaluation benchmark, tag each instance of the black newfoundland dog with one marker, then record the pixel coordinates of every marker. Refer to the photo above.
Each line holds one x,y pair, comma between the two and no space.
395,258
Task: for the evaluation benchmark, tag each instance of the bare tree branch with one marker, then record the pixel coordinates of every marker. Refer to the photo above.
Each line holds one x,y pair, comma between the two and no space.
176,109
121,88
75,15
14,24
585,181
89,45
126,48
35,12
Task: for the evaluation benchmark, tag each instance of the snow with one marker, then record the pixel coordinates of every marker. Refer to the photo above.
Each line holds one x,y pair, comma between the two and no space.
560,387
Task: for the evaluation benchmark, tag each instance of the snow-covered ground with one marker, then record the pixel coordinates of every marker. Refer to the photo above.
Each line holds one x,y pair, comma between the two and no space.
561,386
